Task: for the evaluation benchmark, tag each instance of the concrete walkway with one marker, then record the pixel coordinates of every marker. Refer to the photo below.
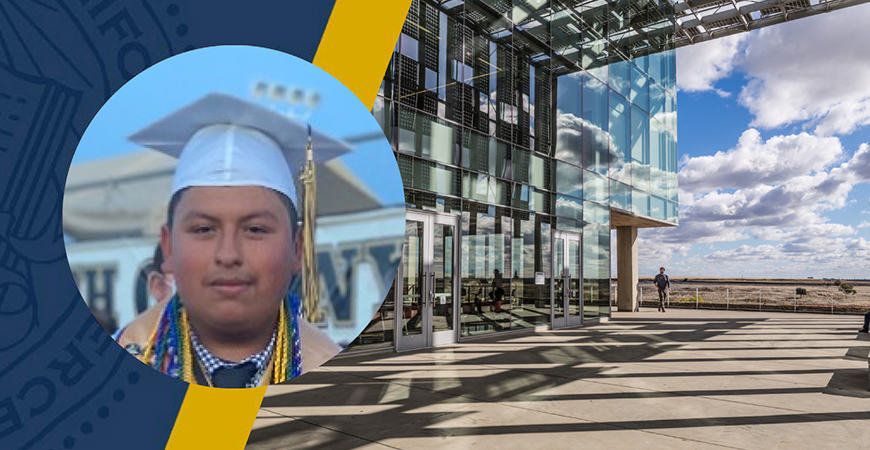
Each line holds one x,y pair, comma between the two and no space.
685,379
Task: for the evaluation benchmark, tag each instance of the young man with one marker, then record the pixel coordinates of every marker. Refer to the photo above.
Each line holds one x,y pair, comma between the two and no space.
233,244
664,285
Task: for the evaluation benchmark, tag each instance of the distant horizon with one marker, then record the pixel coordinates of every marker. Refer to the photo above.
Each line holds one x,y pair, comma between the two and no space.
749,278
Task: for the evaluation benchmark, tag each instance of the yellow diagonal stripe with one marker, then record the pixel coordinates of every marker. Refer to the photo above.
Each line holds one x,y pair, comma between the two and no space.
213,418
358,42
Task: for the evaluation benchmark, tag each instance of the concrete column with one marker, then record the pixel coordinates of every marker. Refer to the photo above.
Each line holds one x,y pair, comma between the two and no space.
626,268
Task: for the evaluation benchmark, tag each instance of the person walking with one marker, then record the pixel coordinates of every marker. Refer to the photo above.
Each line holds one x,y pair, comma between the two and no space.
866,323
664,285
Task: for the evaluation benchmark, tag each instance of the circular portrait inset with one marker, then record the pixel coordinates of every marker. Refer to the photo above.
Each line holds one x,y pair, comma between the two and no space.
233,216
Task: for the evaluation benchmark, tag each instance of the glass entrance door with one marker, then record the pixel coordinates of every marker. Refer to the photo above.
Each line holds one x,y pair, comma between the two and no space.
567,284
428,282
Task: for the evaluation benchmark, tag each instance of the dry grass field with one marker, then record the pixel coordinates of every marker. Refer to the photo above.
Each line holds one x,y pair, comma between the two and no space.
767,294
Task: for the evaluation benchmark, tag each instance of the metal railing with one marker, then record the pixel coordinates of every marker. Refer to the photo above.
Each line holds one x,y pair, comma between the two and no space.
829,301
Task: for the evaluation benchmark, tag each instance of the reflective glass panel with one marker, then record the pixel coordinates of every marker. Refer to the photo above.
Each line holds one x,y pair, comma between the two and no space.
620,195
532,168
639,136
412,279
671,112
379,332
672,212
620,78
639,148
541,201
639,88
442,303
570,207
639,202
422,174
572,225
569,179
573,277
559,282
569,120
477,186
595,187
620,139
427,136
486,248
595,121
531,255
657,208
539,171
658,153
596,271
595,213
382,112
657,102
522,196
485,154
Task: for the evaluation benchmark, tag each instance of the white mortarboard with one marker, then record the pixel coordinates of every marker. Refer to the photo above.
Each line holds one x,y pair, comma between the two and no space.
221,140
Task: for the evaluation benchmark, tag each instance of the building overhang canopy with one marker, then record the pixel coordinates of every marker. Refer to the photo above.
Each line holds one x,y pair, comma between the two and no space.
703,20
626,219
567,36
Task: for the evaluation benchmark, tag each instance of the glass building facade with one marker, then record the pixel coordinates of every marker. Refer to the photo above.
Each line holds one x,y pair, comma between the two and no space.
528,120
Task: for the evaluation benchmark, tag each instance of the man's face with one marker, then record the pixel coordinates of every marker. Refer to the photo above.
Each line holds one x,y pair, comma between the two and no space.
232,253
662,271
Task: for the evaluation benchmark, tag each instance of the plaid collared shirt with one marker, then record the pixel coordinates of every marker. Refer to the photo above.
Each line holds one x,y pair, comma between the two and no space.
212,363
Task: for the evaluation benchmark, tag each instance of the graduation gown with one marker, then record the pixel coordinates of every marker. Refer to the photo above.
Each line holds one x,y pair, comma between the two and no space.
317,346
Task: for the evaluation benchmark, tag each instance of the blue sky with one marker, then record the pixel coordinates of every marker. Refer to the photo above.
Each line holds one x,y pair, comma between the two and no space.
774,169
235,70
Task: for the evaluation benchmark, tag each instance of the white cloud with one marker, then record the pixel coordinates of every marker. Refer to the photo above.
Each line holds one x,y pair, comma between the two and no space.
858,168
775,191
792,78
815,69
803,233
864,224
755,161
835,257
700,66
839,257
792,202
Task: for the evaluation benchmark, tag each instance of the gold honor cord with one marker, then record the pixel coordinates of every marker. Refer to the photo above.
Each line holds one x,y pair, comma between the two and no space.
310,287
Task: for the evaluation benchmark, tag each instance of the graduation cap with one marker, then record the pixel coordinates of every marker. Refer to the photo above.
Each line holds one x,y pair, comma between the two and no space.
221,140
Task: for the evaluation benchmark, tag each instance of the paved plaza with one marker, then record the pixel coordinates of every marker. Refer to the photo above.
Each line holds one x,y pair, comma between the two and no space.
685,379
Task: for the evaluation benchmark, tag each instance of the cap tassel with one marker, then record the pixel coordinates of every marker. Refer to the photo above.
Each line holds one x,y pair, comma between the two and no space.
310,286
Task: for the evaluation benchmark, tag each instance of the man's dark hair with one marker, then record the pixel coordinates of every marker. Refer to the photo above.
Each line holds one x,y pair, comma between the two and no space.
661,268
173,203
156,261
